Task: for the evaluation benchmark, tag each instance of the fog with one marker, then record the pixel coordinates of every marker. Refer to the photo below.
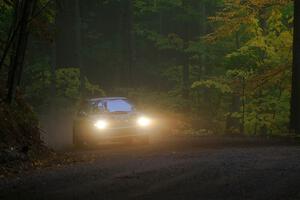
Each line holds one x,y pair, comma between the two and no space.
57,130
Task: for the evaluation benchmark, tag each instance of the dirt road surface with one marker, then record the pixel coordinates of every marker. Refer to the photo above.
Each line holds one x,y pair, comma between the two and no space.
170,168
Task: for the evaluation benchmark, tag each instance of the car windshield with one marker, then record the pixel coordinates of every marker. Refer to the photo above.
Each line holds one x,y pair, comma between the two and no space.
113,106
118,105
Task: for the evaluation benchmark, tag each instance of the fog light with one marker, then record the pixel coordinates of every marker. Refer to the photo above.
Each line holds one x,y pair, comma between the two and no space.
143,121
101,124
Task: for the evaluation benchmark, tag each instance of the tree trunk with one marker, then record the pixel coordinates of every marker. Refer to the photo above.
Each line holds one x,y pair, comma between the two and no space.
295,98
203,33
77,17
128,44
186,78
24,10
118,44
233,124
67,36
53,70
185,59
131,45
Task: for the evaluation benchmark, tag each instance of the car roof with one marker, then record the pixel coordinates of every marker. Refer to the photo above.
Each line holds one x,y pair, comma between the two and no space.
106,98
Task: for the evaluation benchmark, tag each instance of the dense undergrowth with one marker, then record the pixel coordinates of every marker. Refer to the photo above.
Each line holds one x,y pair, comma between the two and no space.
20,133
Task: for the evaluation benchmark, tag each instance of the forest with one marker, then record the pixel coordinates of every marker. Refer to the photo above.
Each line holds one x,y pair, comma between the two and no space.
150,99
219,67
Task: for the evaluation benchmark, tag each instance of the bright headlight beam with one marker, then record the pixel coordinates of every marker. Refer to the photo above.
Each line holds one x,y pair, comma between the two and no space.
143,121
101,124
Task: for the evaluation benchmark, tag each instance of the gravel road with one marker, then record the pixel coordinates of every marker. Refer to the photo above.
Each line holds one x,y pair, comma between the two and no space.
170,168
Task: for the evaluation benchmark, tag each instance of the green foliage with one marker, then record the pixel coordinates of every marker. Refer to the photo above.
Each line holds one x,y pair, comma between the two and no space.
67,86
149,100
247,57
93,90
212,84
239,55
5,19
19,128
258,69
143,7
68,83
37,81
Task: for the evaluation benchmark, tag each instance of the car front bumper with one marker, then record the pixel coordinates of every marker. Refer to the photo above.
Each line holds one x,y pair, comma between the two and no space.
95,135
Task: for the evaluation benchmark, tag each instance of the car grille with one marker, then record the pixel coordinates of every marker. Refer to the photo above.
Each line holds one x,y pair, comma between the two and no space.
121,123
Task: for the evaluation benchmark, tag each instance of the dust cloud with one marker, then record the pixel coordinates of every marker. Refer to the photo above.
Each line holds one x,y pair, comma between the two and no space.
57,130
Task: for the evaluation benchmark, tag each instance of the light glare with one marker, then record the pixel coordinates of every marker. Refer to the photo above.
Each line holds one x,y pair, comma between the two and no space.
101,124
143,121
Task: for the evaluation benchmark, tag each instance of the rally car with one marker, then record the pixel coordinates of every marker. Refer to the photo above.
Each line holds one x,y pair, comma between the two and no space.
110,118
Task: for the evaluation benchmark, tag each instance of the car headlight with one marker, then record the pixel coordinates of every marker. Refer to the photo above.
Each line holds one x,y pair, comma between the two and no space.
143,121
101,124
